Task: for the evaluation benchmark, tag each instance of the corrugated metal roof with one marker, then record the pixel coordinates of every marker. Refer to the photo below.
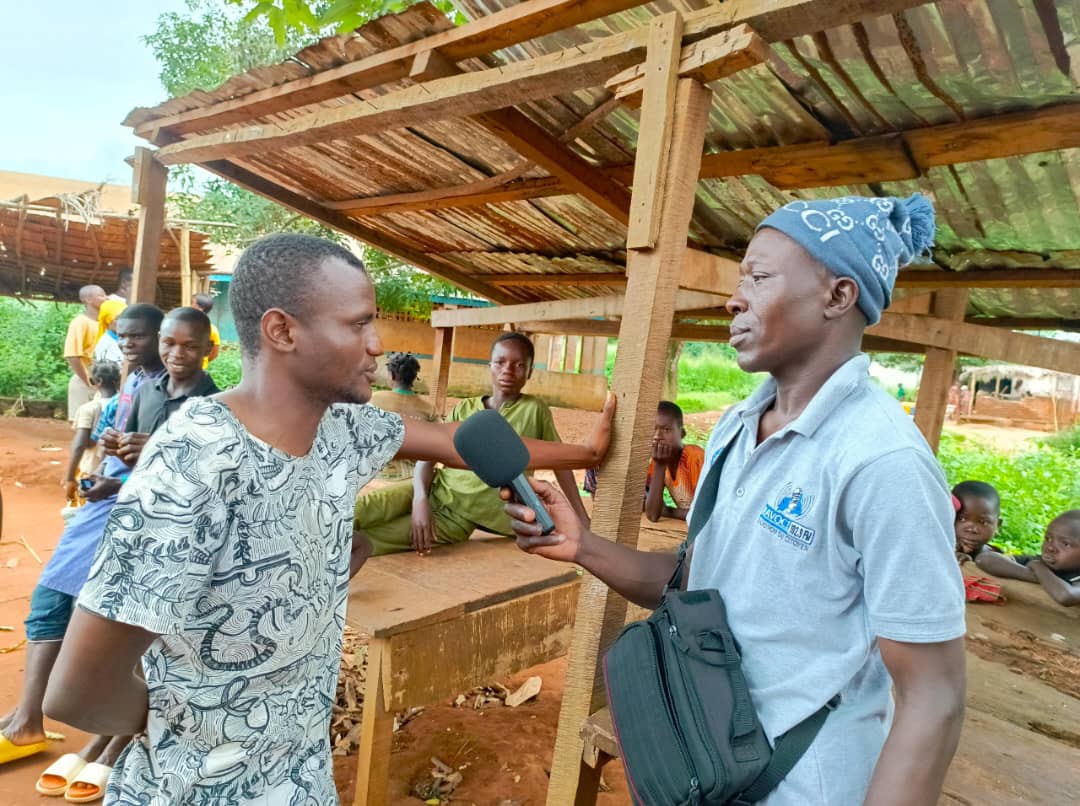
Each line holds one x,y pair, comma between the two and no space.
945,62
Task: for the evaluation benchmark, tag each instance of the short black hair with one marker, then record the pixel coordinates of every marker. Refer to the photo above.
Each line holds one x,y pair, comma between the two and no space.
124,275
145,312
978,489
1071,518
106,372
277,272
403,367
191,316
671,410
204,302
520,338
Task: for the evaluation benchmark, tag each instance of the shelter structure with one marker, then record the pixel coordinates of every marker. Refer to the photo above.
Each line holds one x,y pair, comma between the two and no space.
53,245
597,168
1021,395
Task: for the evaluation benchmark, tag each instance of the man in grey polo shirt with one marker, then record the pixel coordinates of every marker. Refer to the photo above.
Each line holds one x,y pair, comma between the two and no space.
832,537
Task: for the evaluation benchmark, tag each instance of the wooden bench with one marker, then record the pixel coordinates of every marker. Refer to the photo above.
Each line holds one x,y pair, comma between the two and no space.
441,624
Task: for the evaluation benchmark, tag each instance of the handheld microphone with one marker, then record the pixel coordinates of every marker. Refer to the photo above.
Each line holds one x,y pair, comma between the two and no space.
495,453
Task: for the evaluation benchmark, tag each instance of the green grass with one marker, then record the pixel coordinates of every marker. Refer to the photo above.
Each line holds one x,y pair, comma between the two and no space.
225,369
32,349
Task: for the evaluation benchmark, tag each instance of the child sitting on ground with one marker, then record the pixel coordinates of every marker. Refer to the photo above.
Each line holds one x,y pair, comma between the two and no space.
1057,569
977,519
679,466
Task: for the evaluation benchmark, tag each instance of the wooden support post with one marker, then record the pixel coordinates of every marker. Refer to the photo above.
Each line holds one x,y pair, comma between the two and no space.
376,731
542,346
572,354
937,374
186,280
148,191
443,355
653,276
671,370
556,353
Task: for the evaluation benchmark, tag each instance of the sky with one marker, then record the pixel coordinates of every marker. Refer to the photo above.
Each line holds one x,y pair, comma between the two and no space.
70,71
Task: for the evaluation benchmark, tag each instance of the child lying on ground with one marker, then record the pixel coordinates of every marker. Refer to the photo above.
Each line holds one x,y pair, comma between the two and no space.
977,519
1057,569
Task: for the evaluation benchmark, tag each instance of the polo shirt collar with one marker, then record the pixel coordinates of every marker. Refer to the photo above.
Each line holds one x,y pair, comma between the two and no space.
206,387
847,377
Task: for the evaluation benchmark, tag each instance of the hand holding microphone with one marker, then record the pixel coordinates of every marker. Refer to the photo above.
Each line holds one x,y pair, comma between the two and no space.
543,521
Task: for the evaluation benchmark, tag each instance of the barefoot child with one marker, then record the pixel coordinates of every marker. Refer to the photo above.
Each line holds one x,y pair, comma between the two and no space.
1057,568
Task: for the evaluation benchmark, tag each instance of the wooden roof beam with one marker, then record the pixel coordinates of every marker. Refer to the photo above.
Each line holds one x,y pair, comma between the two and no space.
989,278
980,340
504,28
495,190
774,20
584,308
470,93
264,187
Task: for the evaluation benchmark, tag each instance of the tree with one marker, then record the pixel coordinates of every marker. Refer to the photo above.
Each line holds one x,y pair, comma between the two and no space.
288,17
208,43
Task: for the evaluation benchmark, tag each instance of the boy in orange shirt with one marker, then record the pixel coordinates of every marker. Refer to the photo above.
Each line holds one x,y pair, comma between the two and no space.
681,465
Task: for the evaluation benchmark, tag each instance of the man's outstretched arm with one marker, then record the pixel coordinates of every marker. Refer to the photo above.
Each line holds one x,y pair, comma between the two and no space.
434,442
929,684
94,685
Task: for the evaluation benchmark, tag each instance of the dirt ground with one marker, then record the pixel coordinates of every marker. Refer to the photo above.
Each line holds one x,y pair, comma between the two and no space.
1021,740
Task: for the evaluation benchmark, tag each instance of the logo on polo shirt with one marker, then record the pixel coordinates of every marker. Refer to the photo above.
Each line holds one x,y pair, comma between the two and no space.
782,517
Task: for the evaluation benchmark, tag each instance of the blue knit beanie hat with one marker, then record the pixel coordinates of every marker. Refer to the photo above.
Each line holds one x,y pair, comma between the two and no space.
866,239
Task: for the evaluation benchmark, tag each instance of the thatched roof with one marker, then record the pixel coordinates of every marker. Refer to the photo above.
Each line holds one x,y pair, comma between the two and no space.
51,247
975,103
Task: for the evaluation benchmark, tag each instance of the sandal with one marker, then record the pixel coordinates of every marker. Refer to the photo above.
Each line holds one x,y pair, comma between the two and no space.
13,752
90,784
62,771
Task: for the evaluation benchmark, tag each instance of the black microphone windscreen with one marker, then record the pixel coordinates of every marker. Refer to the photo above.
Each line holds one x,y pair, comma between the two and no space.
491,448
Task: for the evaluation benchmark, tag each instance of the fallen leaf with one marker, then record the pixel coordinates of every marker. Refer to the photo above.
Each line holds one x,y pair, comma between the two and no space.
47,448
12,648
6,628
12,563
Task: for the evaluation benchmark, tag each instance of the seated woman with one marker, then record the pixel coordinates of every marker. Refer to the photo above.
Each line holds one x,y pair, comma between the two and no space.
446,505
401,399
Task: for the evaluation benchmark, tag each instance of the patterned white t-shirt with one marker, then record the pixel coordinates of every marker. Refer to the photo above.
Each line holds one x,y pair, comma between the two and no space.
237,555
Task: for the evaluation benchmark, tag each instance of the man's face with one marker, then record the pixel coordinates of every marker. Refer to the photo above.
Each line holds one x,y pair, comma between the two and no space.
1061,546
97,297
182,347
778,307
667,431
976,523
510,367
138,342
336,340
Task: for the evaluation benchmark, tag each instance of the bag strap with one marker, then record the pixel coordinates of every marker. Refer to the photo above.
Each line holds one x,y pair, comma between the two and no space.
789,749
704,504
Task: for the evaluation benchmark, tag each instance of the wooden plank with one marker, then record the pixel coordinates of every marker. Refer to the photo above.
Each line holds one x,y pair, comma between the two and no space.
1027,323
1032,132
938,369
376,731
496,190
443,354
710,59
576,175
186,290
988,342
660,73
615,279
148,189
644,334
466,94
266,188
510,26
703,271
990,278
481,646
587,308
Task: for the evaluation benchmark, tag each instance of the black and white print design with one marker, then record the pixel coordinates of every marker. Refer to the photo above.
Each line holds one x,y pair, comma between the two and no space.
237,555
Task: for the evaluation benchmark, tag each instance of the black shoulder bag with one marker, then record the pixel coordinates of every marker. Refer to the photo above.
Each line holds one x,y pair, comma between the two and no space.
686,727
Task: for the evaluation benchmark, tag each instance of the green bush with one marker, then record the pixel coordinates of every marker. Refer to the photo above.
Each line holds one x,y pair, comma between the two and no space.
225,369
1035,486
1068,441
32,349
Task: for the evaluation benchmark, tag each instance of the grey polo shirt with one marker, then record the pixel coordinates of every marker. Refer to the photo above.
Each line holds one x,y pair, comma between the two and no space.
832,532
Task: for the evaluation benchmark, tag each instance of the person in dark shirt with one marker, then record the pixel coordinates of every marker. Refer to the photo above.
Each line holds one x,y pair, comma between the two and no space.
1057,568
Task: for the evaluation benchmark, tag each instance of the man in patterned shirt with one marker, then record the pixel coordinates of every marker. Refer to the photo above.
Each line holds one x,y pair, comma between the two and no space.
225,564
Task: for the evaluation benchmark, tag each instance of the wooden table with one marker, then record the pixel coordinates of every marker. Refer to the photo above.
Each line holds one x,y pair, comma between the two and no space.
441,624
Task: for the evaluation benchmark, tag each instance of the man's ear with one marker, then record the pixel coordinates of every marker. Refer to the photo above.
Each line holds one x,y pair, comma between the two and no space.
278,330
843,296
